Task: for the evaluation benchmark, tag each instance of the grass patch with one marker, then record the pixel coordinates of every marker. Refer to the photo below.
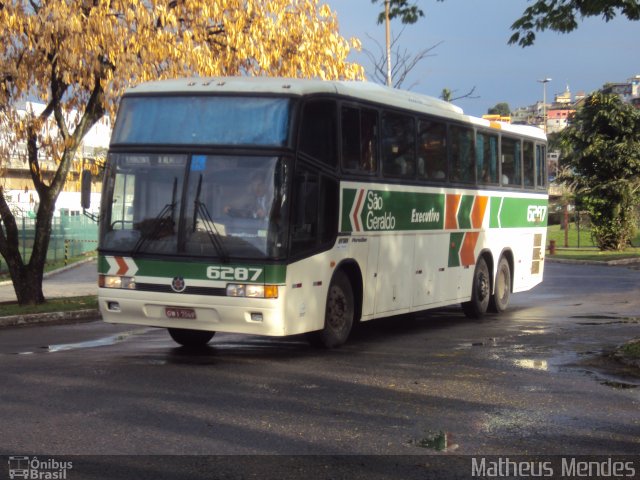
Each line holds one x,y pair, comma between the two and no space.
577,238
595,255
631,349
587,251
65,304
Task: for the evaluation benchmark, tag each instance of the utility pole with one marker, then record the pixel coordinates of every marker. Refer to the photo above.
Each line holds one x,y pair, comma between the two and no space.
544,82
387,23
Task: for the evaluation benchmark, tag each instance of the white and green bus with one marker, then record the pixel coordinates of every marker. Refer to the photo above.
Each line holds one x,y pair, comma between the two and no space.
279,207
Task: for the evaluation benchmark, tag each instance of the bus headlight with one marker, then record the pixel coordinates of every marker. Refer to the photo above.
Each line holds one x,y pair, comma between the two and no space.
252,291
116,281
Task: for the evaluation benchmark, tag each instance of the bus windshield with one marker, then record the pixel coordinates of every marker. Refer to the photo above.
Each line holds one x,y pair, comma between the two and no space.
202,120
195,205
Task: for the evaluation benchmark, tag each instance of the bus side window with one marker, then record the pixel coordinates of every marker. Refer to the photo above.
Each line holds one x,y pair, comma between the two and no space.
432,151
527,161
487,158
318,131
316,208
398,145
462,155
511,153
541,175
359,140
305,210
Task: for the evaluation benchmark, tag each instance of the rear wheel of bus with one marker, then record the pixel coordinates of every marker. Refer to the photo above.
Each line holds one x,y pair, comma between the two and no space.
191,338
480,291
502,292
339,314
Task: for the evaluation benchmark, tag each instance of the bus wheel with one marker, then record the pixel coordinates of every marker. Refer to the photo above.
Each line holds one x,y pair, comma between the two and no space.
338,319
500,298
191,338
480,291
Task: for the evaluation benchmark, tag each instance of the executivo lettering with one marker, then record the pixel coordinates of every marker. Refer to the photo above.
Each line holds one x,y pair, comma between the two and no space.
432,216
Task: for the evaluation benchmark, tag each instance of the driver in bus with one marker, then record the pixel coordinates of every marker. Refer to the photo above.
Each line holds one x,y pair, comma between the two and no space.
257,205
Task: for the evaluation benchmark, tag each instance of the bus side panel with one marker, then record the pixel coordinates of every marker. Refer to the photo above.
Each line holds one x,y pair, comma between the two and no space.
308,282
306,294
529,268
395,274
432,277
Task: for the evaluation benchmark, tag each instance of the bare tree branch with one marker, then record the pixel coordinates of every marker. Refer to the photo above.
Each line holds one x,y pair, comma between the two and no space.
403,61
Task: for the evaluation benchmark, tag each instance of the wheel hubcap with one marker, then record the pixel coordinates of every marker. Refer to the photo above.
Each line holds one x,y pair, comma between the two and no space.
337,308
483,286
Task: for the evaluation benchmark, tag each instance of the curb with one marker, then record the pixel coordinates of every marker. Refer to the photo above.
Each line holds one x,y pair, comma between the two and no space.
51,318
608,263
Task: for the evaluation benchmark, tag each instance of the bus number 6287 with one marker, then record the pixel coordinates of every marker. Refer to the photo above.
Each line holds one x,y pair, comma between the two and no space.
215,272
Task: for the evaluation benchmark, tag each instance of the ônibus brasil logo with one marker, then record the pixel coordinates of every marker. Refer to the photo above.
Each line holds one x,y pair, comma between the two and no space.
37,469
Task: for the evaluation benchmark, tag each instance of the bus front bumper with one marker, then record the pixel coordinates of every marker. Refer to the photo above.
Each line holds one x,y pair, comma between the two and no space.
195,312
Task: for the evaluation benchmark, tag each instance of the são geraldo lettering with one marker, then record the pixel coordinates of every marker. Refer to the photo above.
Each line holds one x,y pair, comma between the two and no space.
377,220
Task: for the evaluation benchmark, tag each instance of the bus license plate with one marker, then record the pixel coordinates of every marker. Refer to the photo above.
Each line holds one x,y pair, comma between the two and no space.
175,312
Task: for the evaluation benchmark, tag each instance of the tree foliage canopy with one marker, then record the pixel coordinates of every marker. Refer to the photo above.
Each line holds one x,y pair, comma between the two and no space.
558,15
501,109
602,149
563,16
408,13
79,56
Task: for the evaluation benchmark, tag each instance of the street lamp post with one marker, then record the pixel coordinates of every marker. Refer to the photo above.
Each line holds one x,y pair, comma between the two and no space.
544,82
387,23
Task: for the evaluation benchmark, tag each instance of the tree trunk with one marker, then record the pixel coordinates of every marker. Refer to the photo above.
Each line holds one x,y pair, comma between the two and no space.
27,277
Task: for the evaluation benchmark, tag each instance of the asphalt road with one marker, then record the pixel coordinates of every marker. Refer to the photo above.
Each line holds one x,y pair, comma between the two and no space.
531,381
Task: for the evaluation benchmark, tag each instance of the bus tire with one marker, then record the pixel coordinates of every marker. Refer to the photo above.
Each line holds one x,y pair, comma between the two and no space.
480,291
502,290
190,338
339,314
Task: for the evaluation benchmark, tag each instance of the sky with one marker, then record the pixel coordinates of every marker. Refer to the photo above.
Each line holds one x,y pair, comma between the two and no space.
474,51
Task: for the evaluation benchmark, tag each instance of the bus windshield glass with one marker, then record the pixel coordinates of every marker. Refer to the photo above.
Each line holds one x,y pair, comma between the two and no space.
195,205
202,120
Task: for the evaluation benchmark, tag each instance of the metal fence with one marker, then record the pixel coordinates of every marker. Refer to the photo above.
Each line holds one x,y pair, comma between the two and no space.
71,236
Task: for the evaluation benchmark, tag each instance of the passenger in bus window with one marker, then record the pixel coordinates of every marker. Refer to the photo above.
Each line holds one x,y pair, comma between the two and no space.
430,159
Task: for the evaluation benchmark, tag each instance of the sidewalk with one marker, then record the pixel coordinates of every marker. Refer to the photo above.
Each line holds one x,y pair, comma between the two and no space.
77,279
74,280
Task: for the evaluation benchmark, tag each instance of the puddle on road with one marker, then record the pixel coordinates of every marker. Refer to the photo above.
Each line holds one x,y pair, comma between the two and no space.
615,320
619,385
538,331
531,364
100,342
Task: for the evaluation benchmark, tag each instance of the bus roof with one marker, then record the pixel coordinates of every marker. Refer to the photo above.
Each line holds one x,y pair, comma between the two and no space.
354,89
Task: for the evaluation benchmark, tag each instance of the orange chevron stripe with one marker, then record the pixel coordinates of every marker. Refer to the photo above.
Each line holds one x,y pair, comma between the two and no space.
478,211
467,251
451,212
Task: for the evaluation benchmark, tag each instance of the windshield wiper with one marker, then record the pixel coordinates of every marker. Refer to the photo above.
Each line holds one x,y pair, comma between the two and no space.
200,209
161,225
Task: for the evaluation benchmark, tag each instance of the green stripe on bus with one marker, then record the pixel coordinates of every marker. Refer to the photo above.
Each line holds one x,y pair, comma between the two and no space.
348,198
509,212
203,270
455,243
464,212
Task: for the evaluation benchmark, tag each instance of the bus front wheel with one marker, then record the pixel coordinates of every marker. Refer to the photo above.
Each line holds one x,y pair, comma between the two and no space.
480,291
339,314
502,292
191,338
